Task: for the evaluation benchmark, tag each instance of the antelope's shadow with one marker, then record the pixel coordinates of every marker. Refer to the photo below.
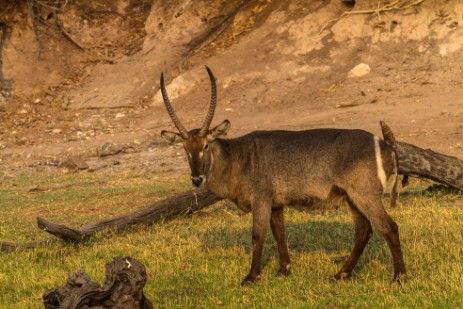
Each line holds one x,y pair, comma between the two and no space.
334,238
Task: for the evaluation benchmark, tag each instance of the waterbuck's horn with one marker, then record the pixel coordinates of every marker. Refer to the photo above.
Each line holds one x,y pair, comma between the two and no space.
211,111
181,129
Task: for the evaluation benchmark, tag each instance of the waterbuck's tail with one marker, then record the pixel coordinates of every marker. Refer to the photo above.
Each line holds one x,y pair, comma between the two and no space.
395,183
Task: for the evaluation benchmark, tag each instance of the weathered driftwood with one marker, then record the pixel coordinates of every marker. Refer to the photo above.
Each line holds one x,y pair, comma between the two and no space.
123,288
12,246
188,201
425,163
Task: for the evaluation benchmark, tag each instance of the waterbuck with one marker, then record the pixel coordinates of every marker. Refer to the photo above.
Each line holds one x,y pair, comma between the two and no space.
264,171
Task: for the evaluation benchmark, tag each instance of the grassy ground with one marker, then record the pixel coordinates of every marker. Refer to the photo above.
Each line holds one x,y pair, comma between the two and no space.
198,260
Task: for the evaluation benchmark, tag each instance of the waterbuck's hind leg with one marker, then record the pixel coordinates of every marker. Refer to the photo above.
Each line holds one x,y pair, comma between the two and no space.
277,225
363,232
260,222
374,211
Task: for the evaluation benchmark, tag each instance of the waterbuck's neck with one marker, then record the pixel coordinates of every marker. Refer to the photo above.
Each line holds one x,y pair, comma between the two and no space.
229,157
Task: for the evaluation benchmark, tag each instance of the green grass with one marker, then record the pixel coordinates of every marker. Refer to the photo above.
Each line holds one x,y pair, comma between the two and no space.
198,260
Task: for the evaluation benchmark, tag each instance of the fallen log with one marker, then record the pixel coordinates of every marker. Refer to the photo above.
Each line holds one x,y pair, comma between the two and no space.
12,246
187,201
192,200
415,161
425,163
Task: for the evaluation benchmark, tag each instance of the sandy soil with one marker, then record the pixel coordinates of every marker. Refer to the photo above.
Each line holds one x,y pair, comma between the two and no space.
279,65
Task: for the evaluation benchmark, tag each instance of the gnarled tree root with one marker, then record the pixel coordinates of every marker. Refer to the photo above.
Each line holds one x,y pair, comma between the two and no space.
123,288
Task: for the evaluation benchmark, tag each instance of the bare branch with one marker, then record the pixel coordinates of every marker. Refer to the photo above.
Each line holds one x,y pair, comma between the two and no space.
394,5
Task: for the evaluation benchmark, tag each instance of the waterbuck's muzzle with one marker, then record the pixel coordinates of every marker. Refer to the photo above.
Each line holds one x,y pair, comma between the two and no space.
198,181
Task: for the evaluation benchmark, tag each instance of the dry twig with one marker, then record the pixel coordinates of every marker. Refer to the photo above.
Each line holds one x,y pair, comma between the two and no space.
60,187
394,5
67,35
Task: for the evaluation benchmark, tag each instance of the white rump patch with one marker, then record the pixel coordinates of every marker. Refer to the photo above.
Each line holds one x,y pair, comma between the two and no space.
379,164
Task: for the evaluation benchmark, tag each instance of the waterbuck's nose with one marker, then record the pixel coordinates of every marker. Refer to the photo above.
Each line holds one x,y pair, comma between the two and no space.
196,180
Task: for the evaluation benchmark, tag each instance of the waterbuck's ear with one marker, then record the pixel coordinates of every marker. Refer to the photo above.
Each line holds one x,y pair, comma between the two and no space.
220,130
171,137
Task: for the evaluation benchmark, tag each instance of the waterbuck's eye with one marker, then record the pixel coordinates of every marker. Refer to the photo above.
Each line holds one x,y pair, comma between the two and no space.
206,147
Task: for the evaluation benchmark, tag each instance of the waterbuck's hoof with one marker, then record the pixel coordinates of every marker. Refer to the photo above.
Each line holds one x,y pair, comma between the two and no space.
284,271
250,280
398,279
341,276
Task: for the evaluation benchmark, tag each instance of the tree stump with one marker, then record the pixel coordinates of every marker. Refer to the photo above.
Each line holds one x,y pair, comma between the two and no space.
123,288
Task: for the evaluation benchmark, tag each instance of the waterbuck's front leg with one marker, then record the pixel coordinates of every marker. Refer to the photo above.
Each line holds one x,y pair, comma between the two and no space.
277,224
260,222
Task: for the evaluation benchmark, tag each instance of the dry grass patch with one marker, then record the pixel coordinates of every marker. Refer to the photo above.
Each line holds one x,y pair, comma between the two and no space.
198,260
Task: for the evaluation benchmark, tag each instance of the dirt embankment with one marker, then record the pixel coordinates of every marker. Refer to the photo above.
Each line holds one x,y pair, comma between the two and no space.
88,74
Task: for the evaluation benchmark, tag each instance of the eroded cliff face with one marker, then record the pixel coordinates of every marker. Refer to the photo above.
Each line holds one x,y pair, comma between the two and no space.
121,47
279,64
